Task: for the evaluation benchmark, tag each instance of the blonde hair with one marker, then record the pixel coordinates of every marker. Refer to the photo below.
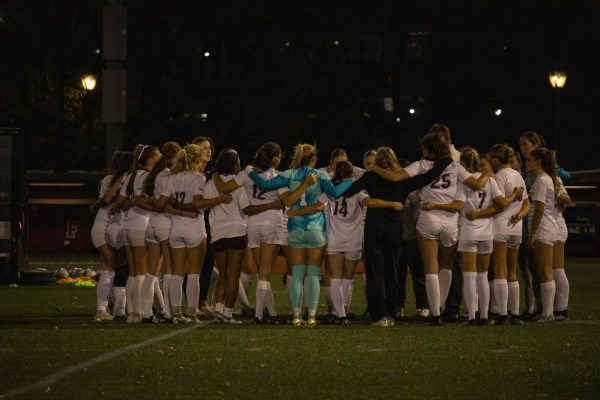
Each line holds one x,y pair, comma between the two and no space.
386,158
188,159
303,154
470,159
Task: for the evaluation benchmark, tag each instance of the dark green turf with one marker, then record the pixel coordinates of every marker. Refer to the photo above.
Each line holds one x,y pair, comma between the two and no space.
45,329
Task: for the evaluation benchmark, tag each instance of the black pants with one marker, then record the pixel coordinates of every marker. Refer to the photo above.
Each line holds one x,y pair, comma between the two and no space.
207,265
455,293
411,258
382,260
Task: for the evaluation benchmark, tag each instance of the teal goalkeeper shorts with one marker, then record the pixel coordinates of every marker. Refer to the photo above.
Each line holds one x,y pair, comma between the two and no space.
307,239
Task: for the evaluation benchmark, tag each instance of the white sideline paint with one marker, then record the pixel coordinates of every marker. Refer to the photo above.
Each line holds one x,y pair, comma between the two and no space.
52,379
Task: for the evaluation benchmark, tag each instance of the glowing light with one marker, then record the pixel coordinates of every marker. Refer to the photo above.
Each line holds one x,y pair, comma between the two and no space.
336,42
88,82
498,112
206,54
398,119
557,79
411,111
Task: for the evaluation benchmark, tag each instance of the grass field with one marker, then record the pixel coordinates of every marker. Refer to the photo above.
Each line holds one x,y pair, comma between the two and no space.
47,329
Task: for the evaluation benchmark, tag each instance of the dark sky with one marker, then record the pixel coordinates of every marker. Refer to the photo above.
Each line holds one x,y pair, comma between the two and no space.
294,71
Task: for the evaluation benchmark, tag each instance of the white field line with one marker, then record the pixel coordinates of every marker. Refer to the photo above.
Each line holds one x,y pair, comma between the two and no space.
54,378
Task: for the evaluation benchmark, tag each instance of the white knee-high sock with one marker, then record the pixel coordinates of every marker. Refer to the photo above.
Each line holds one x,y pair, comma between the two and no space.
129,294
347,291
175,294
137,293
147,295
470,292
513,297
245,281
120,300
262,289
432,286
103,290
165,289
548,290
483,293
271,301
337,298
242,296
445,279
159,299
192,293
501,296
561,301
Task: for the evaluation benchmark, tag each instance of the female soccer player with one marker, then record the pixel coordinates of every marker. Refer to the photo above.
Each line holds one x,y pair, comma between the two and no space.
344,240
106,194
136,220
543,227
507,235
437,229
229,240
187,236
306,233
383,231
157,237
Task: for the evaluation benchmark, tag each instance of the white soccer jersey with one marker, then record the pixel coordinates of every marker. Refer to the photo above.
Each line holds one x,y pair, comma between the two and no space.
102,214
542,190
507,180
345,226
161,184
136,217
560,220
227,220
477,200
183,187
258,196
440,191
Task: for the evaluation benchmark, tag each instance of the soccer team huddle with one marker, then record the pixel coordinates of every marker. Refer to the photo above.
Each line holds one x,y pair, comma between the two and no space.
174,213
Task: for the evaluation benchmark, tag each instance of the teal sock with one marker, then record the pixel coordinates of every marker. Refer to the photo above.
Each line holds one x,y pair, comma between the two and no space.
313,273
297,286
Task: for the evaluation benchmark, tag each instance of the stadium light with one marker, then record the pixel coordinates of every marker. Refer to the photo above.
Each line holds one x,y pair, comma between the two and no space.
498,112
411,111
88,82
206,54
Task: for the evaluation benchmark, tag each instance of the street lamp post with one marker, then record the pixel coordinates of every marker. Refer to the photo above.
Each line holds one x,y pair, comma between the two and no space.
88,82
557,81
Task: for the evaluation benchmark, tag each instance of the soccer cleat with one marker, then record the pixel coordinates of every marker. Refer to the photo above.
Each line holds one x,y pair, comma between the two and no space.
277,320
530,317
391,321
150,320
297,321
248,311
218,317
166,320
258,321
483,321
231,321
546,318
422,312
330,319
181,319
500,320
561,315
470,322
450,316
344,321
382,323
351,316
515,320
120,318
437,320
312,322
103,316
204,311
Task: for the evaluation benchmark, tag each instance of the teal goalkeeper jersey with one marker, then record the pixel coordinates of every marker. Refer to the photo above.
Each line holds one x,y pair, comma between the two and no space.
292,179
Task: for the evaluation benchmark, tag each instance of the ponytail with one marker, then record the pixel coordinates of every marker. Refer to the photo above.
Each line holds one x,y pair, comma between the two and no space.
188,159
303,154
547,160
470,158
502,152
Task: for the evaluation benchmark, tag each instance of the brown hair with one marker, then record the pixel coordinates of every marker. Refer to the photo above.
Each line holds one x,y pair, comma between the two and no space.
201,139
343,171
535,138
547,160
168,151
437,144
141,155
264,155
442,130
386,158
502,152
